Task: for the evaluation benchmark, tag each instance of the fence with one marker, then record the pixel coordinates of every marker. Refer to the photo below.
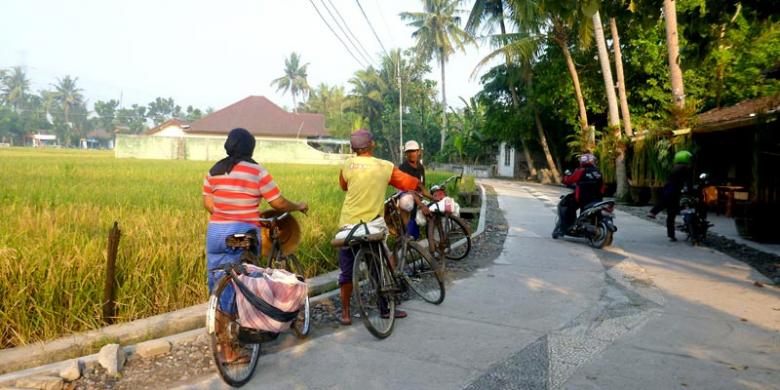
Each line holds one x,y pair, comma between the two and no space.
474,170
273,150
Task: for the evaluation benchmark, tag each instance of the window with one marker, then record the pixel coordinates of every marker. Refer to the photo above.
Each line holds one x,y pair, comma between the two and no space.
507,155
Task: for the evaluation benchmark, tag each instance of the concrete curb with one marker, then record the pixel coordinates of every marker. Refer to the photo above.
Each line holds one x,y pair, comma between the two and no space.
176,327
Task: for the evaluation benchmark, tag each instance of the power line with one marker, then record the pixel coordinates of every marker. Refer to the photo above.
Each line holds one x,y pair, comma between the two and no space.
348,29
357,49
384,22
337,36
372,27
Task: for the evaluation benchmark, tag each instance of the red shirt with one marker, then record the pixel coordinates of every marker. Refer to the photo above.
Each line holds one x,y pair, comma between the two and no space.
237,195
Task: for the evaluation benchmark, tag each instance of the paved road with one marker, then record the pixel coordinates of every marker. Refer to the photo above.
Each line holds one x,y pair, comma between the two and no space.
547,314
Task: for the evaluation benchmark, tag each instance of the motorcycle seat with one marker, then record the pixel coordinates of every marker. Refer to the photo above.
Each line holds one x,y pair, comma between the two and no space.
599,203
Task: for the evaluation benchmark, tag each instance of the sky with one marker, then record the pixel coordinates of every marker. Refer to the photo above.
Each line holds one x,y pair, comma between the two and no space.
203,53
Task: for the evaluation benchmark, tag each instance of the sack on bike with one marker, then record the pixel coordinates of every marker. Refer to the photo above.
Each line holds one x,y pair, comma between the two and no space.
378,225
268,299
446,205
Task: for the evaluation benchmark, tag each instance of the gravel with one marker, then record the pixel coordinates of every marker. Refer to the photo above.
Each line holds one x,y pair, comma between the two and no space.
191,360
766,263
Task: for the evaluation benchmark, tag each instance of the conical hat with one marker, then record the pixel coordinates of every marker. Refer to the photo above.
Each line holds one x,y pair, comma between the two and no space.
289,233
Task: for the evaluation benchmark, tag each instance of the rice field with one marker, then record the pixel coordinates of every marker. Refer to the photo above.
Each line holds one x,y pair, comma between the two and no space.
58,206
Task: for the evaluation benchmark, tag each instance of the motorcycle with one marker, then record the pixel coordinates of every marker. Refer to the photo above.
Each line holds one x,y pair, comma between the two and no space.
694,211
595,222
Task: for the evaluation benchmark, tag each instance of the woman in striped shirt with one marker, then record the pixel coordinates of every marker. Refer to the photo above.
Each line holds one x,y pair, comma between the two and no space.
232,192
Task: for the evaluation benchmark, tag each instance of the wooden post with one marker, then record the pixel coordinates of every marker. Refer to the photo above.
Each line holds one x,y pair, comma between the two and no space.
109,306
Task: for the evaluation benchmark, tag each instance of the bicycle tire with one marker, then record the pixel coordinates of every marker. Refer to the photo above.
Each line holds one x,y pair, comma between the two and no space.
422,274
456,230
234,374
433,232
372,284
301,326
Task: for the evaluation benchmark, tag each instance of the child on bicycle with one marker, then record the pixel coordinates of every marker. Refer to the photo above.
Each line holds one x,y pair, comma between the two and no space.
365,179
232,192
410,202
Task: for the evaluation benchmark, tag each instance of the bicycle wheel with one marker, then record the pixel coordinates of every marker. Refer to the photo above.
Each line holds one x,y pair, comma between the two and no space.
458,234
435,233
374,290
302,324
422,274
223,330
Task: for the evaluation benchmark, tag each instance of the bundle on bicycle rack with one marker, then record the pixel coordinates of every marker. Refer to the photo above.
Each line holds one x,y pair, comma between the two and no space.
268,299
444,205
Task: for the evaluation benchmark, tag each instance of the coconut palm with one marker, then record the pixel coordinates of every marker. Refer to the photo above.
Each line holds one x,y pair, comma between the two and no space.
67,96
438,34
294,79
368,88
675,74
486,14
14,88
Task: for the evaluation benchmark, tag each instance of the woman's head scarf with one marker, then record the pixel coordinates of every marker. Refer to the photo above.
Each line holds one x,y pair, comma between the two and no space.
240,145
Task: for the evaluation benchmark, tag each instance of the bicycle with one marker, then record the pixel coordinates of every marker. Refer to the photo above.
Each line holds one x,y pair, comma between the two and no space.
376,285
225,331
449,236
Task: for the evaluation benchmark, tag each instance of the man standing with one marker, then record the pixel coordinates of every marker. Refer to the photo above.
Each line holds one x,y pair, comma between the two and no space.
365,179
410,202
670,197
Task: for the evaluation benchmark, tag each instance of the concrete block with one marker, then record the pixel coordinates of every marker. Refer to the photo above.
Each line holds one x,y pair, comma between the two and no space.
153,348
112,357
41,382
71,371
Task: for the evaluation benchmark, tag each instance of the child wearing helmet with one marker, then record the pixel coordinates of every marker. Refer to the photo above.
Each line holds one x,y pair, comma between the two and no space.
670,195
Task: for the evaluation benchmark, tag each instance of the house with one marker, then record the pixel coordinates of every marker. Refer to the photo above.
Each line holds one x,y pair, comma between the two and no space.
280,136
505,160
41,140
97,139
257,114
739,146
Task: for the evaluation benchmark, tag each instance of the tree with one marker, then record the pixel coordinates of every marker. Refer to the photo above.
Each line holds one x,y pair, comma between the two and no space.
294,79
68,97
624,112
438,34
614,117
675,73
106,112
487,13
14,88
161,110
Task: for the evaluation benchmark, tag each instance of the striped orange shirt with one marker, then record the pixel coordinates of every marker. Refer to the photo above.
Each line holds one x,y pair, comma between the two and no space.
237,195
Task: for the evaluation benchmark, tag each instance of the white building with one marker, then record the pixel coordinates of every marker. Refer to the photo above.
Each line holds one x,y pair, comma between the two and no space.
505,161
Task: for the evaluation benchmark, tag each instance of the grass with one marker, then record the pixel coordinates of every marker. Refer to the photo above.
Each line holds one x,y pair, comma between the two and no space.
60,204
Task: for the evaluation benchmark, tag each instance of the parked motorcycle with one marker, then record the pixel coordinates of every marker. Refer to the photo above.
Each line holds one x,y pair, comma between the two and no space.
693,210
595,222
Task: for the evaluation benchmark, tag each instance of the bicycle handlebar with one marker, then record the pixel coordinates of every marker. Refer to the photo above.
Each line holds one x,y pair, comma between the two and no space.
276,218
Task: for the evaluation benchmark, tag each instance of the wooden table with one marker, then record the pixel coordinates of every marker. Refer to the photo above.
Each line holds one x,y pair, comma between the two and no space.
727,194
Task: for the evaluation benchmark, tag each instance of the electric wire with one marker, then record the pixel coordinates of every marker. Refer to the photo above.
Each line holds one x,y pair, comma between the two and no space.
355,46
372,27
337,36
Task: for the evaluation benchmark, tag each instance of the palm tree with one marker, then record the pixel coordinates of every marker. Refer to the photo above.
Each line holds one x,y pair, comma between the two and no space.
675,74
366,97
68,96
438,34
15,88
487,13
294,79
614,117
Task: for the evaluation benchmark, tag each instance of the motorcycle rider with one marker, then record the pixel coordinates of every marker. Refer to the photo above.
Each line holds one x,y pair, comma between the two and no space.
588,188
670,195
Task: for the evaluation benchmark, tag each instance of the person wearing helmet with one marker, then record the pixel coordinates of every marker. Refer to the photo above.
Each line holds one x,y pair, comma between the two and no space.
670,195
588,188
410,202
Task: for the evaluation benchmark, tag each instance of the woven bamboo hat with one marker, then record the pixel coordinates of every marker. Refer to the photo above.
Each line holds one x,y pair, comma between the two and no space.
289,233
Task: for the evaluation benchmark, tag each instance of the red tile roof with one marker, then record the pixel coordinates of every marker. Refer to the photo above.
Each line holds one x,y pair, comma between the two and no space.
262,118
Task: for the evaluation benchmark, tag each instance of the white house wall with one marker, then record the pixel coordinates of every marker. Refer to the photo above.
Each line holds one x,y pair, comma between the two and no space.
505,167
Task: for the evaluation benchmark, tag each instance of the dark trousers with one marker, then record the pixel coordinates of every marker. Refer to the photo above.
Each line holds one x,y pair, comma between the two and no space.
670,200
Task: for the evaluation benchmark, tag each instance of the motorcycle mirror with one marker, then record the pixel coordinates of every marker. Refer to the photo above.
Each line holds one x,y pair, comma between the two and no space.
703,176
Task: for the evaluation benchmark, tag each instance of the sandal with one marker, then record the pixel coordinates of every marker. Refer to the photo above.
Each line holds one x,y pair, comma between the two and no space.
398,314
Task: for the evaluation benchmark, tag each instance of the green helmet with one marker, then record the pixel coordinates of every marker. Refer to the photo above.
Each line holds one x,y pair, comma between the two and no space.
683,157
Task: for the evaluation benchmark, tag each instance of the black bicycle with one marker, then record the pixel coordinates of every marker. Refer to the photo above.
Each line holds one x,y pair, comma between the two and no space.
449,236
236,349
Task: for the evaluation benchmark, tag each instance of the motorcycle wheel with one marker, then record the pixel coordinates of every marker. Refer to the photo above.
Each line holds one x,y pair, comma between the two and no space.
601,237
